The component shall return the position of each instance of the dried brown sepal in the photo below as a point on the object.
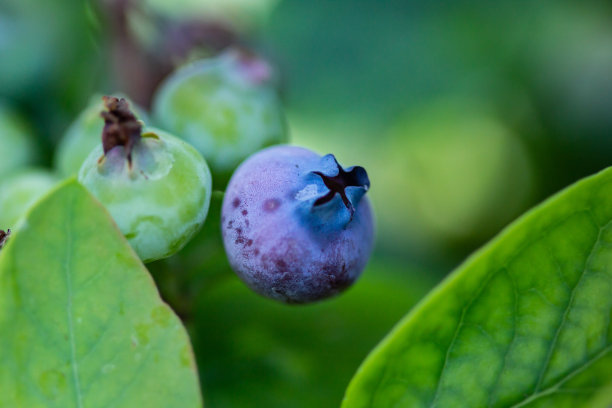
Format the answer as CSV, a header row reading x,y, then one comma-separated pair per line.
x,y
4,237
121,127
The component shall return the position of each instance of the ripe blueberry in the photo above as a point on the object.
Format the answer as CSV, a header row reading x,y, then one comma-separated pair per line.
x,y
226,107
156,187
297,227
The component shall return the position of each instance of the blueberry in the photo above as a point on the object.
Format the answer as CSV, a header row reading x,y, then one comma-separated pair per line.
x,y
83,136
297,227
20,190
156,187
226,107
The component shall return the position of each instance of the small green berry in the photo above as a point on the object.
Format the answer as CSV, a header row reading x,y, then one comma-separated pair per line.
x,y
156,186
83,136
226,107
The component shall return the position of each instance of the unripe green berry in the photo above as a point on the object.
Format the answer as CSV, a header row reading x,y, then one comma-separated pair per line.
x,y
82,136
157,189
226,107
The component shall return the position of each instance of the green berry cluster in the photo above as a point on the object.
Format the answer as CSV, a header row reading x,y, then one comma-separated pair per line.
x,y
156,177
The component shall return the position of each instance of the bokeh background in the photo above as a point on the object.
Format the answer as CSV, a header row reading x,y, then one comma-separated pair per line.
x,y
465,114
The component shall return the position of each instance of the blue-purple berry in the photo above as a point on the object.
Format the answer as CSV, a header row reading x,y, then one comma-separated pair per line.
x,y
297,227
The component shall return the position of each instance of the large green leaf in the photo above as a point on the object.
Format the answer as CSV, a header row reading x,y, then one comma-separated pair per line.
x,y
81,323
524,322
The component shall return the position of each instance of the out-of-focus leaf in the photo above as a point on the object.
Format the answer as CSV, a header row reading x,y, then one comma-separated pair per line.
x,y
466,175
525,322
80,320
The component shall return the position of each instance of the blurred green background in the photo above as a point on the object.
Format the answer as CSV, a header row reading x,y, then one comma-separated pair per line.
x,y
464,113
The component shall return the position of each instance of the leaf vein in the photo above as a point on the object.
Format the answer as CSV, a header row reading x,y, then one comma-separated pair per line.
x,y
467,307
564,316
555,387
512,339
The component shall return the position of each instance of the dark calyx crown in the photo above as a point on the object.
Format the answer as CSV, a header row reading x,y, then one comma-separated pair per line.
x,y
352,177
121,127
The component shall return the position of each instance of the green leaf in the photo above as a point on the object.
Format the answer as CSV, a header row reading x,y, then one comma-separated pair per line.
x,y
81,323
524,322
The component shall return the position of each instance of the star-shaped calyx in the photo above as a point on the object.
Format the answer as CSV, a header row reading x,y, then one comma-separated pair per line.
x,y
352,177
121,128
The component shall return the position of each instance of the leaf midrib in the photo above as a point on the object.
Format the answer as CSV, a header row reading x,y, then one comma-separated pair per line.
x,y
67,274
